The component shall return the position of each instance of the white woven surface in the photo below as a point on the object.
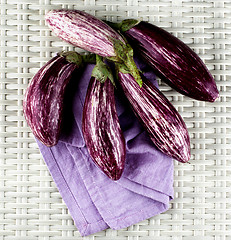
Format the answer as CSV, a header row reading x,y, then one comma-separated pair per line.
x,y
30,205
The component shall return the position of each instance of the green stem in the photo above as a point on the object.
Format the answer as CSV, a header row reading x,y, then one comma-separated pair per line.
x,y
99,59
124,55
72,57
89,58
127,24
123,26
102,71
130,64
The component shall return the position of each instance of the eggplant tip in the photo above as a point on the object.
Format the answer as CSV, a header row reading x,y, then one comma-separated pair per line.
x,y
115,175
210,96
185,156
215,97
49,14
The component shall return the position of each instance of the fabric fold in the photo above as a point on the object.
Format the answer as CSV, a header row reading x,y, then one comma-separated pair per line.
x,y
95,202
72,189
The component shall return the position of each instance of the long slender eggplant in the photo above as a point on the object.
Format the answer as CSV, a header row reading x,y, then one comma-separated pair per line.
x,y
101,130
91,34
83,30
161,120
173,61
43,102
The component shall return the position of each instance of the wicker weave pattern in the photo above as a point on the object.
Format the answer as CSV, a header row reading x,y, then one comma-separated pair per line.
x,y
30,205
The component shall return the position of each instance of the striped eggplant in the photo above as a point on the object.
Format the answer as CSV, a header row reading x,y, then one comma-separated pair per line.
x,y
44,99
173,61
84,31
91,34
161,120
101,130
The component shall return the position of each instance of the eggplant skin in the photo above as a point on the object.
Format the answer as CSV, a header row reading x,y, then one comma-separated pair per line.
x,y
160,119
101,129
44,99
83,30
173,61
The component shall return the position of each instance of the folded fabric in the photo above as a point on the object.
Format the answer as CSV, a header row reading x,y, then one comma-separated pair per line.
x,y
95,202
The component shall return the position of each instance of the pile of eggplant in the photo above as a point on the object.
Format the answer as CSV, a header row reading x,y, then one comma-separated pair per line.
x,y
107,42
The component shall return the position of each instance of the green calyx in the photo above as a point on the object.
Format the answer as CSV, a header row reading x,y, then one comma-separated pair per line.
x,y
124,25
102,71
89,58
72,57
121,68
127,24
124,54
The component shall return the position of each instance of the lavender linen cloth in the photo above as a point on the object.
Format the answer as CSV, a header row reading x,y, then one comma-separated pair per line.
x,y
94,201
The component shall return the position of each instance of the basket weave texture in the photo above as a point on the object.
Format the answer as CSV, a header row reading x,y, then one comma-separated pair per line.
x,y
30,205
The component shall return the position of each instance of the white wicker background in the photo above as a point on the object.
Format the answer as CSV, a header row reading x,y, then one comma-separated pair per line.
x,y
30,205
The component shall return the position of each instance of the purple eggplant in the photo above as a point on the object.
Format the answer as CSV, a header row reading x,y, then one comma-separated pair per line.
x,y
91,34
173,61
101,129
160,119
44,99
83,30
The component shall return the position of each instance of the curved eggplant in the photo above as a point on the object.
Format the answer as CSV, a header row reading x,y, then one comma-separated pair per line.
x,y
161,120
85,31
43,102
173,61
101,130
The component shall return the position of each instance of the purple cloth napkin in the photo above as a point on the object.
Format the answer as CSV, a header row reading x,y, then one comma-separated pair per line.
x,y
95,202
